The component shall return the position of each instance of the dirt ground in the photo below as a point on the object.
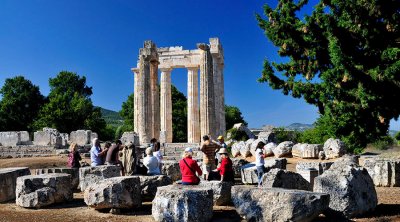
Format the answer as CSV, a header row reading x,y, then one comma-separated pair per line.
x,y
388,208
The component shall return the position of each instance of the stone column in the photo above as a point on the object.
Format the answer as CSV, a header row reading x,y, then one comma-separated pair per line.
x,y
207,107
222,122
135,99
166,107
144,101
217,95
193,118
155,100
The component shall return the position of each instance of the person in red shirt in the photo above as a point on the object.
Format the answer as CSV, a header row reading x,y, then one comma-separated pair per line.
x,y
225,169
189,167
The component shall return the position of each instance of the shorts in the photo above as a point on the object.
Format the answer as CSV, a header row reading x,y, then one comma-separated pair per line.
x,y
207,168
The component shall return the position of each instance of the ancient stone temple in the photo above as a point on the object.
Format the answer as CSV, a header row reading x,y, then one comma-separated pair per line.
x,y
153,107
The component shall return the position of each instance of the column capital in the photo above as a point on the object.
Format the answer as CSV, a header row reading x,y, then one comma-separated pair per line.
x,y
165,69
135,70
194,68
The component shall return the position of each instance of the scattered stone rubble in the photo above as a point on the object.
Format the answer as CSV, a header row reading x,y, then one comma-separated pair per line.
x,y
8,181
183,203
115,193
276,204
285,179
283,149
36,191
334,148
384,172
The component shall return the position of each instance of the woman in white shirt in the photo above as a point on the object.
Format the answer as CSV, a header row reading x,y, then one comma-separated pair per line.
x,y
260,161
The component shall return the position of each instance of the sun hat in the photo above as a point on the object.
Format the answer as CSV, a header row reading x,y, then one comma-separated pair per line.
x,y
223,151
189,149
220,138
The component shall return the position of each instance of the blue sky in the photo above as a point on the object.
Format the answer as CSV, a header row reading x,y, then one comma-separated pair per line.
x,y
100,39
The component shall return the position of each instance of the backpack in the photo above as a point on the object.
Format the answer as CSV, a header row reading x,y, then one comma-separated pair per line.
x,y
71,160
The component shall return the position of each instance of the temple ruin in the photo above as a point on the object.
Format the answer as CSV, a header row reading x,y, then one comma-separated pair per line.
x,y
153,110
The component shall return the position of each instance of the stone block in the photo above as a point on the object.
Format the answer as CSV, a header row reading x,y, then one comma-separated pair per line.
x,y
334,148
384,172
171,169
10,138
283,149
276,204
268,149
285,179
236,147
25,138
8,181
36,191
306,151
150,184
221,191
47,137
80,137
92,175
249,171
309,175
237,164
306,165
183,203
268,136
73,172
116,193
130,137
351,189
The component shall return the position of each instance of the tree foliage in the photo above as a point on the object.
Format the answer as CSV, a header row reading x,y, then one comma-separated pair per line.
x,y
69,106
233,115
20,104
343,58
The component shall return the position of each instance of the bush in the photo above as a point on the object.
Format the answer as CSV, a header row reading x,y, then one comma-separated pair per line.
x,y
397,137
383,143
281,135
235,134
312,136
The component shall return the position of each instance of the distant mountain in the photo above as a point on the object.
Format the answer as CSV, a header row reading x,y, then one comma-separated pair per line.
x,y
111,117
299,126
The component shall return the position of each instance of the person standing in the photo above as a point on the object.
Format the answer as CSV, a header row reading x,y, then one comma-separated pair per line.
x,y
96,154
151,163
74,157
225,169
208,148
220,141
189,167
112,157
260,162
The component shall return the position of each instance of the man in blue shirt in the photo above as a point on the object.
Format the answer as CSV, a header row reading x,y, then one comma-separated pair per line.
x,y
96,154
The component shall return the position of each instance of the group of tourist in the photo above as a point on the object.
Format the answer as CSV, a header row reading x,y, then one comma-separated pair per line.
x,y
216,163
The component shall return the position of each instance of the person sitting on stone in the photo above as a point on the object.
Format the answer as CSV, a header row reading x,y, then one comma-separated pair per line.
x,y
189,167
112,157
74,157
157,154
260,161
151,163
96,154
208,148
225,169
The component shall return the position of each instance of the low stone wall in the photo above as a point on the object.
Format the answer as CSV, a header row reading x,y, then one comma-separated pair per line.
x,y
8,181
26,151
14,138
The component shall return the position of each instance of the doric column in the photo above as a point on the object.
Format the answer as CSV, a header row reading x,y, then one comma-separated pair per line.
x,y
217,95
166,106
135,99
144,101
207,107
155,100
193,118
222,122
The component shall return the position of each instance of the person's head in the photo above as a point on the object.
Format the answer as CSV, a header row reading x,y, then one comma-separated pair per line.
x,y
149,151
153,140
223,152
205,138
73,147
107,145
220,139
188,152
260,145
96,142
157,146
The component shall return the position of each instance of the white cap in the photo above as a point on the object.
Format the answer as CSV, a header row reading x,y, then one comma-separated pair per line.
x,y
189,149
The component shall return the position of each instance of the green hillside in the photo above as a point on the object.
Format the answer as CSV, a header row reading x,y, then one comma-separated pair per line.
x,y
111,117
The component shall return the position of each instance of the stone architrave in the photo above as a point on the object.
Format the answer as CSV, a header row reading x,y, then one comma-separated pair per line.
x,y
193,106
207,106
155,99
8,181
166,105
